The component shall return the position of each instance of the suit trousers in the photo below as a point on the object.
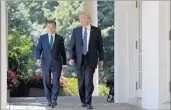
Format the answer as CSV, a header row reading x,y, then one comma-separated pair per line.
x,y
51,88
85,81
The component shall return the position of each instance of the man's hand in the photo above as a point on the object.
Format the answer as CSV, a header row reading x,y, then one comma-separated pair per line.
x,y
38,62
101,64
64,68
71,62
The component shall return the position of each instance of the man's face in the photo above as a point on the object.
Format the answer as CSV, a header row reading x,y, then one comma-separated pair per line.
x,y
51,28
84,20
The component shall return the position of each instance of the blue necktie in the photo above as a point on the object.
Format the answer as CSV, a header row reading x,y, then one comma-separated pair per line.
x,y
85,42
51,42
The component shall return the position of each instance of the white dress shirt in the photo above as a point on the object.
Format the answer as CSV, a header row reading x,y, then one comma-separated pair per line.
x,y
49,35
88,34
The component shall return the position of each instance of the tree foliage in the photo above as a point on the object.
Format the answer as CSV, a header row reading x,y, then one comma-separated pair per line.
x,y
106,23
20,55
27,21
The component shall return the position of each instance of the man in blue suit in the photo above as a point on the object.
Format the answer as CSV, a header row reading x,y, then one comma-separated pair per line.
x,y
50,54
86,50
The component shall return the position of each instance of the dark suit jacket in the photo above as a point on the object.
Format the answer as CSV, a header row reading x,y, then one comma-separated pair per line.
x,y
55,58
95,49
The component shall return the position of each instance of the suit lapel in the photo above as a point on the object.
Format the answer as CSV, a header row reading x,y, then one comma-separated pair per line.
x,y
55,41
47,40
81,36
90,39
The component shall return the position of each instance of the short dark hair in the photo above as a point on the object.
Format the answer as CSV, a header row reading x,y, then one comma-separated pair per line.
x,y
51,21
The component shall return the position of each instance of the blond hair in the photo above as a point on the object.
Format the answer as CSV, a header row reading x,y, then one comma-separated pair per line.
x,y
86,14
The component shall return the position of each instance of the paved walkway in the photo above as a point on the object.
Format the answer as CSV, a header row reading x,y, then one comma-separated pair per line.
x,y
65,103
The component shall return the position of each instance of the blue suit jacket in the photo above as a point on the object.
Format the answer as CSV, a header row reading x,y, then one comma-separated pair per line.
x,y
55,57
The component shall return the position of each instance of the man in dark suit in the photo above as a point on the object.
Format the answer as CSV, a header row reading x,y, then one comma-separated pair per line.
x,y
50,54
86,50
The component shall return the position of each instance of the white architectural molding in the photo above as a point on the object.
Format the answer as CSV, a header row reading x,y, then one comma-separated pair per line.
x,y
3,55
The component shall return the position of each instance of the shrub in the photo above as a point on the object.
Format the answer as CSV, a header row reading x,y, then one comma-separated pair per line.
x,y
103,90
72,88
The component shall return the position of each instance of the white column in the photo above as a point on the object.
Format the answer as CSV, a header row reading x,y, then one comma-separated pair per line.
x,y
164,54
90,7
125,55
155,54
121,57
3,55
150,55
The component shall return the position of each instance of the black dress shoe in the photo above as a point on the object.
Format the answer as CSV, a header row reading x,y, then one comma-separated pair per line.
x,y
83,105
89,106
49,104
53,104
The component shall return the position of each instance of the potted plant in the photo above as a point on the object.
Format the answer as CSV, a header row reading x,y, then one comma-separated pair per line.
x,y
35,83
12,82
16,85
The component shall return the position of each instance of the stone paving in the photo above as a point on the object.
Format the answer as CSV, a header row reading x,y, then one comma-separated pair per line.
x,y
65,103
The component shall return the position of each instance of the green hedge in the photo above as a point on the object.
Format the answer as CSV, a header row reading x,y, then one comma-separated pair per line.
x,y
103,90
72,88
